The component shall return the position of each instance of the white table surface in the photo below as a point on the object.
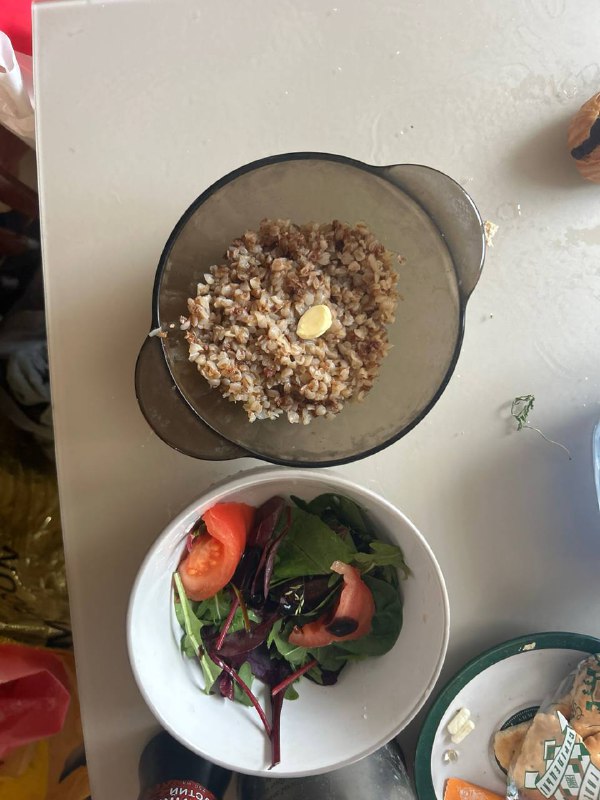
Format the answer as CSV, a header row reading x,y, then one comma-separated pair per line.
x,y
143,104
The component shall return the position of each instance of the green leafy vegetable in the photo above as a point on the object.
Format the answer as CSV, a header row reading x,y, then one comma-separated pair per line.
x,y
216,608
381,555
332,657
192,639
520,409
191,642
302,588
210,671
387,621
294,655
310,548
346,510
291,693
237,623
245,673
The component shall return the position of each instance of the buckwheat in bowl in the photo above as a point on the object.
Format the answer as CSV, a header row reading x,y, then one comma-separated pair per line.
x,y
309,288
245,326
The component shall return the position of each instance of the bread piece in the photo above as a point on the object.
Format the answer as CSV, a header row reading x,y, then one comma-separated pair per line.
x,y
507,743
544,727
593,746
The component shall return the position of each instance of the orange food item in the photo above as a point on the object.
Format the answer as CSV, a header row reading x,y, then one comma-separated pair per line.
x,y
355,606
457,789
214,556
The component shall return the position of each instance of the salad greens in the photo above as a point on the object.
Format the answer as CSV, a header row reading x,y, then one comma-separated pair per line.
x,y
274,621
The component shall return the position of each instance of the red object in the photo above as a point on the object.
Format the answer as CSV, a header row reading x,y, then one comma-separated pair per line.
x,y
355,604
214,556
34,695
15,22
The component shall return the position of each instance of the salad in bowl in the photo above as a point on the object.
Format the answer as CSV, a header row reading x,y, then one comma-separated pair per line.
x,y
287,623
287,590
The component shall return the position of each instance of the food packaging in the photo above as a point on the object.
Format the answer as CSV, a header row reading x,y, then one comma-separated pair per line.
x,y
41,743
34,606
16,92
560,754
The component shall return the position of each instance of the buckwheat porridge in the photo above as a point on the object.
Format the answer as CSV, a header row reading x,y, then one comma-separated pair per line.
x,y
293,321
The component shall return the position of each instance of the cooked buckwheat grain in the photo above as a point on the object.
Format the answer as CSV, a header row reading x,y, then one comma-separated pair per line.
x,y
241,326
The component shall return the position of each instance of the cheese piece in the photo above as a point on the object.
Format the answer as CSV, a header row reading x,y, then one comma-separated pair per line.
x,y
457,789
314,322
463,732
458,720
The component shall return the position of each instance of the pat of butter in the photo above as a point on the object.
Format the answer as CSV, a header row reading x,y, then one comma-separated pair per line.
x,y
314,322
458,720
466,729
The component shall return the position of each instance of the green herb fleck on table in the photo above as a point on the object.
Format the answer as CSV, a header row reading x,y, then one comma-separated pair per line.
x,y
521,409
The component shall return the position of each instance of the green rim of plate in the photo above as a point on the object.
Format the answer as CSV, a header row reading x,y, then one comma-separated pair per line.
x,y
543,641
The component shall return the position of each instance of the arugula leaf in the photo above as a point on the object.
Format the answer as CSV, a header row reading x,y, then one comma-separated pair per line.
x,y
187,643
381,555
237,623
191,641
310,548
246,674
210,671
291,693
294,655
216,608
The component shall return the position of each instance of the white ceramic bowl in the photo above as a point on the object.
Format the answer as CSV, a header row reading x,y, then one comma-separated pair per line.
x,y
327,727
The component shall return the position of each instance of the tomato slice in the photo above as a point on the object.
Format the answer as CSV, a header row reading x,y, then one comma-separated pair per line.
x,y
351,618
214,556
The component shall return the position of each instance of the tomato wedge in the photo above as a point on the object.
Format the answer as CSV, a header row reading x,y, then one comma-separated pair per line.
x,y
351,618
214,556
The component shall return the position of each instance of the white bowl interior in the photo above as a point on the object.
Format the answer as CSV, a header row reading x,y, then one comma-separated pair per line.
x,y
327,727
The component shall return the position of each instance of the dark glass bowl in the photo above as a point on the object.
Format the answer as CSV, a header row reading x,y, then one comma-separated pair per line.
x,y
413,210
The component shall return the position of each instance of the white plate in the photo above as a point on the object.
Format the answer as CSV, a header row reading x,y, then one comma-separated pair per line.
x,y
327,727
501,687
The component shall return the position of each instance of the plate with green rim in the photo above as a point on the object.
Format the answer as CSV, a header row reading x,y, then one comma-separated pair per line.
x,y
501,687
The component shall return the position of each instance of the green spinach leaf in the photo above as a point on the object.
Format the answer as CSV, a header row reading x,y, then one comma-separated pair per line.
x,y
330,657
381,555
347,511
309,548
387,623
